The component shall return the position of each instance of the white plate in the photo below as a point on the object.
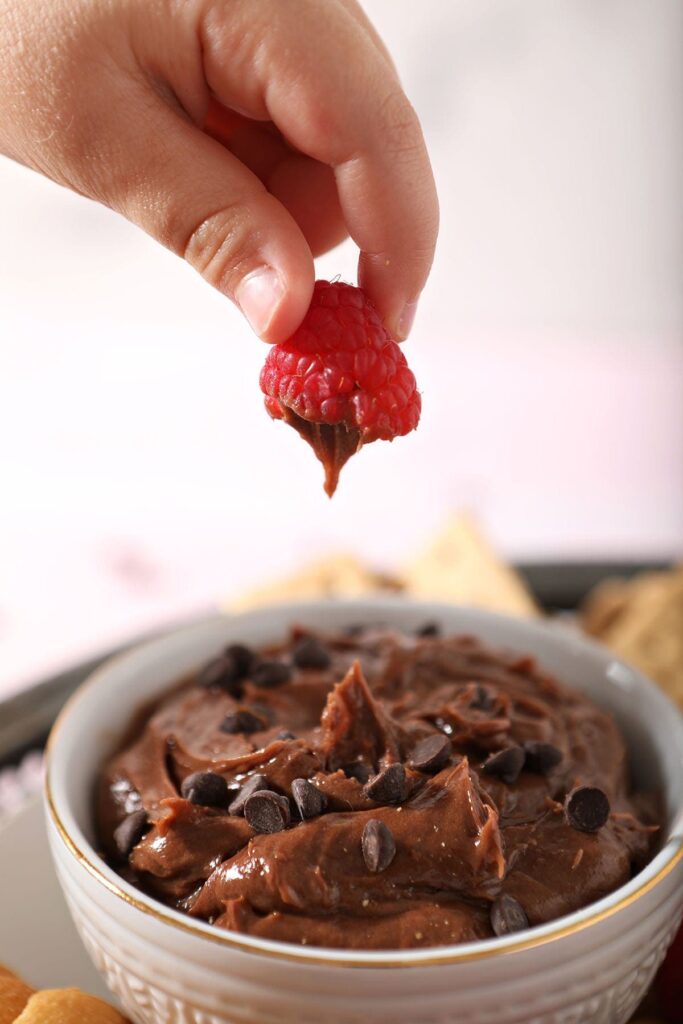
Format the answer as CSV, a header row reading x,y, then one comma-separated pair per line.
x,y
37,938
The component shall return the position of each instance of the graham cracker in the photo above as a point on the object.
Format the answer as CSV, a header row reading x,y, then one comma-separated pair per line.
x,y
339,575
641,620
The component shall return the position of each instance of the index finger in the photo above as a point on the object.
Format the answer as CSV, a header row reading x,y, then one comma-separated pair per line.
x,y
314,70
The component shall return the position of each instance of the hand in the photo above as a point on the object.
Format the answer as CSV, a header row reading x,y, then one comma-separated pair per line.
x,y
248,136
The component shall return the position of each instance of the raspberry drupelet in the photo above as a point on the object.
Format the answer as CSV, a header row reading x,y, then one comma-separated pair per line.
x,y
341,381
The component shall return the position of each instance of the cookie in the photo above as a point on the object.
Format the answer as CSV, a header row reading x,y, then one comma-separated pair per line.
x,y
68,1006
14,994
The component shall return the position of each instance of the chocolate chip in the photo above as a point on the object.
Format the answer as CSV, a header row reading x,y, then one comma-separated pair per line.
x,y
431,753
505,764
377,845
205,788
309,800
483,698
357,770
359,629
523,665
228,670
241,721
262,711
269,674
285,734
541,758
587,808
507,916
267,812
355,629
310,653
243,658
429,629
388,786
131,830
221,674
253,784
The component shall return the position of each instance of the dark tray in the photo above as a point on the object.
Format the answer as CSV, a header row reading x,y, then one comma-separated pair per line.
x,y
562,586
26,719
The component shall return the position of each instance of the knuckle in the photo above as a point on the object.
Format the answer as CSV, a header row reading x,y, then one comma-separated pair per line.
x,y
221,246
401,128
326,126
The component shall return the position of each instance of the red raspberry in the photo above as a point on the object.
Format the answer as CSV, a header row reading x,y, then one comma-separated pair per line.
x,y
341,380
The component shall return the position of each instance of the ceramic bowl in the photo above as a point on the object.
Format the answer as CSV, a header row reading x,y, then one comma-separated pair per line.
x,y
592,966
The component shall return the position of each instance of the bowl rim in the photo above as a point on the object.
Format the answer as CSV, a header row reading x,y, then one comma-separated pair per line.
x,y
662,864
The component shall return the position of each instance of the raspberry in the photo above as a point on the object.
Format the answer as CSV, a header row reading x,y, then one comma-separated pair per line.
x,y
341,381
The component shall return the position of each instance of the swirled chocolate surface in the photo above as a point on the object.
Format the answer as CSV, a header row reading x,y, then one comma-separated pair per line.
x,y
373,790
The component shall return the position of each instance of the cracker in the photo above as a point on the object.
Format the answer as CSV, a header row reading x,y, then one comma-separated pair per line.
x,y
339,575
14,995
68,1006
460,567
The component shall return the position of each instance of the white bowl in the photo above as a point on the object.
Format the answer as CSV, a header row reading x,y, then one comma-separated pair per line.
x,y
592,966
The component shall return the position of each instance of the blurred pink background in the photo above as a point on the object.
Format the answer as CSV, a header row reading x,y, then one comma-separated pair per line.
x,y
141,478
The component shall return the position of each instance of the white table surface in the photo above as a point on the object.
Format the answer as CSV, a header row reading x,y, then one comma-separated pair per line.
x,y
38,939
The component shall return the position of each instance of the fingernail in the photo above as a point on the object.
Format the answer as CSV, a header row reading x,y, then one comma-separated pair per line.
x,y
258,296
405,321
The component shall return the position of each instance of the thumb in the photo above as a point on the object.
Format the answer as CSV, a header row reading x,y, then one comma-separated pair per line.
x,y
197,199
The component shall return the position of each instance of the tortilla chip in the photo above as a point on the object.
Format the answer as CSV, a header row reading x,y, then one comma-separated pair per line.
x,y
461,568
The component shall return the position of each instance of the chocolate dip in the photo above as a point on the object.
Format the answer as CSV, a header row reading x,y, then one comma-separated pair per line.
x,y
373,790
333,444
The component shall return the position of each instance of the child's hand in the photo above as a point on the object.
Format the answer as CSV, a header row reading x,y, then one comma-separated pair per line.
x,y
109,97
